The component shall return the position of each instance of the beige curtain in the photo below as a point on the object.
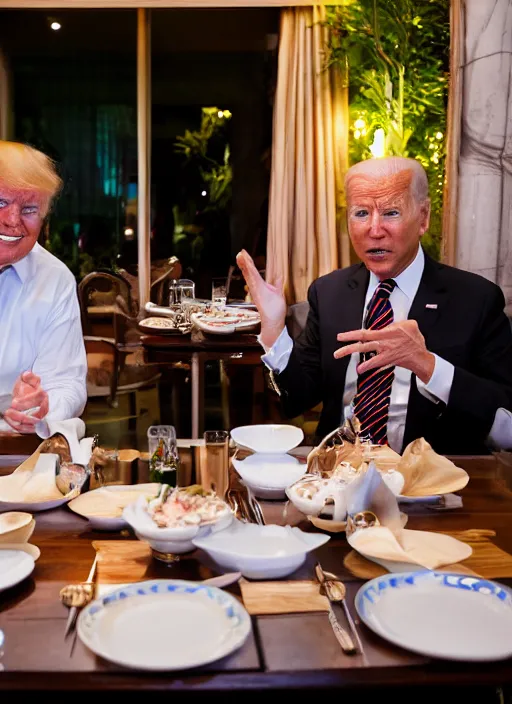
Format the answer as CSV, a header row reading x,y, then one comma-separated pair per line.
x,y
309,158
5,103
453,133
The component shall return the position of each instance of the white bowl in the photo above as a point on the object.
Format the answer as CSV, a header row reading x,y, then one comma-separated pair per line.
x,y
268,439
268,475
260,552
169,540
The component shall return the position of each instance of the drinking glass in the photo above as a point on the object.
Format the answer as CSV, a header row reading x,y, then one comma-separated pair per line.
x,y
187,289
215,472
219,291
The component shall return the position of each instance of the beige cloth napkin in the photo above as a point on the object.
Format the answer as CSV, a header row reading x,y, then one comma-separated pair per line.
x,y
426,473
396,548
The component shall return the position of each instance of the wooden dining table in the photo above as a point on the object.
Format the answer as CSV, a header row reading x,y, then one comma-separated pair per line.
x,y
285,652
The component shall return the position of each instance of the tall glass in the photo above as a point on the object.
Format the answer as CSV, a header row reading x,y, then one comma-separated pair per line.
x,y
187,289
215,472
219,291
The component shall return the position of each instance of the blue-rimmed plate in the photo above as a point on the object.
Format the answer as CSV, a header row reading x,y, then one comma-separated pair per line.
x,y
164,625
443,615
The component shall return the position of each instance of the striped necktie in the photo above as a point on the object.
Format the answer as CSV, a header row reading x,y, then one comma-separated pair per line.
x,y
371,402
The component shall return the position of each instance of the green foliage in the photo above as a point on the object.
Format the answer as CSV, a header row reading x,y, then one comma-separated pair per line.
x,y
398,53
206,168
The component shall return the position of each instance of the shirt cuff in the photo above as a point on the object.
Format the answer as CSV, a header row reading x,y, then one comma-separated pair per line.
x,y
440,384
276,358
500,435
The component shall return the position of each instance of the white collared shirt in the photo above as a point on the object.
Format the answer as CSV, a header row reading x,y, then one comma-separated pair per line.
x,y
41,331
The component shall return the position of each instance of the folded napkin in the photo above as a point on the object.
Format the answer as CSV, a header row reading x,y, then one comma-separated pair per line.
x,y
73,430
427,473
395,548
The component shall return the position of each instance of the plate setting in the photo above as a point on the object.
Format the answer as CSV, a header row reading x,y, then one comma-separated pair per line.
x,y
440,614
164,625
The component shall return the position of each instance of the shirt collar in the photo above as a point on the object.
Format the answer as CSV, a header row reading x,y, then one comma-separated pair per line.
x,y
24,267
408,281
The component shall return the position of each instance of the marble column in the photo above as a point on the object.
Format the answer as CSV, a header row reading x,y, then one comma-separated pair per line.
x,y
485,168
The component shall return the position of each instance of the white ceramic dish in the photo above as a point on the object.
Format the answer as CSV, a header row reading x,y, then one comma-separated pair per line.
x,y
86,502
168,540
268,475
30,549
16,527
159,326
164,625
34,507
442,615
15,566
269,439
260,552
227,321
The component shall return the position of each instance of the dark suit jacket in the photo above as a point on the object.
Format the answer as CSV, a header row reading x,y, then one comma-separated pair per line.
x,y
468,329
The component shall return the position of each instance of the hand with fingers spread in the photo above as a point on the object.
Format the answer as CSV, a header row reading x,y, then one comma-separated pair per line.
x,y
27,394
397,345
269,299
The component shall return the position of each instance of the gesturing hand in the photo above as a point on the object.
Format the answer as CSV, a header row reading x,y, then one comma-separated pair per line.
x,y
269,300
27,394
397,345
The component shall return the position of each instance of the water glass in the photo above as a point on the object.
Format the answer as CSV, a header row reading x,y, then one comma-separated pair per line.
x,y
219,291
187,289
215,469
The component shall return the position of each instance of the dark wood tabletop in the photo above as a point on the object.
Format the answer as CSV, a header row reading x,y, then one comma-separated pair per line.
x,y
165,348
293,652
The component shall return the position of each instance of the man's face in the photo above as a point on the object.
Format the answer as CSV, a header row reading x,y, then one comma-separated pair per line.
x,y
384,222
21,217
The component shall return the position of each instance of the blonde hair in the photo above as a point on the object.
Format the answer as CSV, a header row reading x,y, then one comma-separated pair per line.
x,y
385,166
23,167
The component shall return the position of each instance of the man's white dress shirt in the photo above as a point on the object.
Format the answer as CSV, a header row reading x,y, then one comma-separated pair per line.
x,y
40,331
438,388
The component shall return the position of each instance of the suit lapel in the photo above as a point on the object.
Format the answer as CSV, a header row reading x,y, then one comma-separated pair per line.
x,y
430,297
350,311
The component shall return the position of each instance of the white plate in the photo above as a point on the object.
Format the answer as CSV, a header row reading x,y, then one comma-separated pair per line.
x,y
227,325
34,507
30,549
110,523
269,475
450,616
15,566
164,625
269,438
260,552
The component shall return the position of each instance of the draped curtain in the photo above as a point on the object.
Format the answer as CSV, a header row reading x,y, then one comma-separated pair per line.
x,y
5,102
306,236
484,215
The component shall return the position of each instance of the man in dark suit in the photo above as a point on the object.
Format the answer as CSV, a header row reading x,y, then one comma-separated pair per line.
x,y
427,348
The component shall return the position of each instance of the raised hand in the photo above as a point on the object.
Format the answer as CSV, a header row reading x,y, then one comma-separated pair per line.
x,y
397,345
27,394
269,299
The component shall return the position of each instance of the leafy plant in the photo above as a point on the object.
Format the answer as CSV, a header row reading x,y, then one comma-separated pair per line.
x,y
397,52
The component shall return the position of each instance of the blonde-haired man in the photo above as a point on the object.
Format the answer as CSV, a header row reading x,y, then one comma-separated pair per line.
x,y
43,364
427,349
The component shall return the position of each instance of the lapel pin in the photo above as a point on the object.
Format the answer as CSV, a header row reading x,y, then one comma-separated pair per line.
x,y
431,305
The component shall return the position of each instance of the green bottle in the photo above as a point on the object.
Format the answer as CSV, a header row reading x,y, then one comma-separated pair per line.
x,y
163,465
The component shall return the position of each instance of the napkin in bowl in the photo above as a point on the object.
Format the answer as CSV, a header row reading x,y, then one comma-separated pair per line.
x,y
388,544
73,430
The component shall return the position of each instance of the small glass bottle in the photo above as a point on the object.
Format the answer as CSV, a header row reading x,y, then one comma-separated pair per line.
x,y
164,458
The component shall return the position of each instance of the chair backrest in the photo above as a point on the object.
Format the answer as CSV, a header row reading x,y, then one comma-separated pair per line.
x,y
102,290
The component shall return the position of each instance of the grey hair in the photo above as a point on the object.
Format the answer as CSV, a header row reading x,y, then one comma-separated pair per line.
x,y
386,166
